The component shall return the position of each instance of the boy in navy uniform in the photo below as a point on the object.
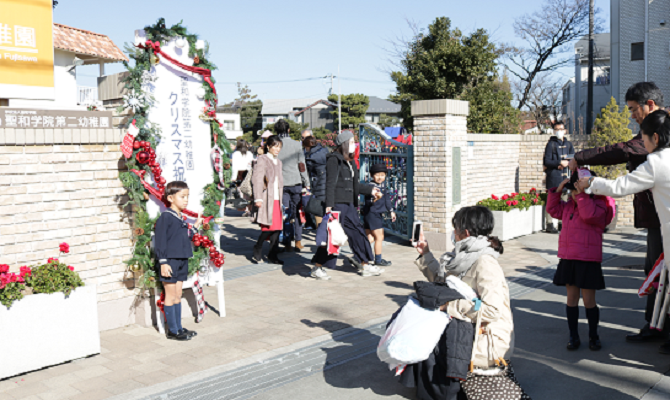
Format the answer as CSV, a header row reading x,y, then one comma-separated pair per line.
x,y
173,249
372,212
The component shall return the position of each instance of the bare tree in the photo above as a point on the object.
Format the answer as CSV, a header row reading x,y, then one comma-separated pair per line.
x,y
547,33
543,99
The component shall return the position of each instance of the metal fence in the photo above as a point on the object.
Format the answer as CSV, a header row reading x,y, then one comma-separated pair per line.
x,y
377,147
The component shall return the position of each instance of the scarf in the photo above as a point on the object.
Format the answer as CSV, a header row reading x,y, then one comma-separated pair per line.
x,y
466,253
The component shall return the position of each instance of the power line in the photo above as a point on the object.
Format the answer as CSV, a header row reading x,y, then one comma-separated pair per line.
x,y
263,82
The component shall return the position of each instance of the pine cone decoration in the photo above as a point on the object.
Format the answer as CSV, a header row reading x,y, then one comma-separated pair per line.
x,y
139,231
146,196
206,227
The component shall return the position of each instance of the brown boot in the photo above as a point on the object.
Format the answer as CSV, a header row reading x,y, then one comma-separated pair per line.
x,y
298,245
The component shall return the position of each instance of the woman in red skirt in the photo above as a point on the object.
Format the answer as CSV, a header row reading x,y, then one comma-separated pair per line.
x,y
268,186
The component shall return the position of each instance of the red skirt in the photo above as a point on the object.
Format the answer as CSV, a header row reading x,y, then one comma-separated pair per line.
x,y
277,220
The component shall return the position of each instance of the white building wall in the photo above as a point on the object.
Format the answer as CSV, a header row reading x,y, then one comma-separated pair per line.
x,y
65,84
225,119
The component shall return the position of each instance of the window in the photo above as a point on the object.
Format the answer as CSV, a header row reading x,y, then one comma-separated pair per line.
x,y
228,125
637,51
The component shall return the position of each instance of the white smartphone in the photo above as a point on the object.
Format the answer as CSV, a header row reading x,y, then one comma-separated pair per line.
x,y
416,232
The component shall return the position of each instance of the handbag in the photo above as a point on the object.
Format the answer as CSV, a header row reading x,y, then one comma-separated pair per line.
x,y
316,207
502,386
246,187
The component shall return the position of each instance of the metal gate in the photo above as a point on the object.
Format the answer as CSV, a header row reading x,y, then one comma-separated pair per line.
x,y
377,147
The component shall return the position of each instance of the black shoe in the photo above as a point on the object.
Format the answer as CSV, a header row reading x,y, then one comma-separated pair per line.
x,y
181,336
551,229
258,254
275,260
594,344
190,334
646,334
665,348
574,343
560,226
383,263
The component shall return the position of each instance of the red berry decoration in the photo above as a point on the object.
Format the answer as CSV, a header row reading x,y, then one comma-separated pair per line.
x,y
161,180
196,243
137,144
158,170
142,157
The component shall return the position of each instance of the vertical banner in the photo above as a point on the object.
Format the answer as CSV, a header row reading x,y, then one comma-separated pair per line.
x,y
185,143
26,49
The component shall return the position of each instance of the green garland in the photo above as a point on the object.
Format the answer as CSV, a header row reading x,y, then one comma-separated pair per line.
x,y
143,258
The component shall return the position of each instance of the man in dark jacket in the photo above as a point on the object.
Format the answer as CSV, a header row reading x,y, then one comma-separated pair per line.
x,y
556,164
642,99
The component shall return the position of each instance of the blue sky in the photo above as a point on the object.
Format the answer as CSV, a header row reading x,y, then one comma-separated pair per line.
x,y
261,41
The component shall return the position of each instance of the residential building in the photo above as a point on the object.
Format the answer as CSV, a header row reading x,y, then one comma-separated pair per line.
x,y
575,90
640,40
73,47
275,109
380,106
231,122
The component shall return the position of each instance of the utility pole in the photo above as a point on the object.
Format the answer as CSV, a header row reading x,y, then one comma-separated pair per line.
x,y
339,101
589,99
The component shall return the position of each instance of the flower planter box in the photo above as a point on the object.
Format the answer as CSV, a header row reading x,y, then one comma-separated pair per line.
x,y
516,223
48,329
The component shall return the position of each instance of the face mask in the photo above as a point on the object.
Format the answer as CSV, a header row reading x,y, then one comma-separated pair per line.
x,y
560,134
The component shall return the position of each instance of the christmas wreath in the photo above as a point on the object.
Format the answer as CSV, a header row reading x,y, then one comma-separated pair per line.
x,y
140,143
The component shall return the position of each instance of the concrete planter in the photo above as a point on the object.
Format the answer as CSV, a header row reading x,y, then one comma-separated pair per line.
x,y
47,329
516,223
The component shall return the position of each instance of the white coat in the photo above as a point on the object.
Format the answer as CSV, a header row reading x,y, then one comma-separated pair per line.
x,y
654,174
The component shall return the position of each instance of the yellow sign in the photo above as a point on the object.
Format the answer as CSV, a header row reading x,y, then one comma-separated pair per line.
x,y
26,49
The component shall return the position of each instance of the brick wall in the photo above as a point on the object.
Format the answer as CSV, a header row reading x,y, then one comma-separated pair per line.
x,y
62,186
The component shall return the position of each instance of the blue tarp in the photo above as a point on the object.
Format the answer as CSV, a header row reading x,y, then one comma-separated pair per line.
x,y
393,132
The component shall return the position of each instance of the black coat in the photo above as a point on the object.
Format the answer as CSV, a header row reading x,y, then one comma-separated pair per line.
x,y
633,154
341,187
554,153
315,159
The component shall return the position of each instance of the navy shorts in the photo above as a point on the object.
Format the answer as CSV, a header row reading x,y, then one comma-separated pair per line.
x,y
179,270
373,221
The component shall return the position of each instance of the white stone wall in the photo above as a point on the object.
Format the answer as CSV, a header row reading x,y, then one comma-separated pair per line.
x,y
63,186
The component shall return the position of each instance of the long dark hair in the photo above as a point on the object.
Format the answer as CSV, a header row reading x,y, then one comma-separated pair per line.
x,y
478,221
242,146
657,122
271,141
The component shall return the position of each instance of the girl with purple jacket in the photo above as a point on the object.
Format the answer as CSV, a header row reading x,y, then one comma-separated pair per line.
x,y
580,250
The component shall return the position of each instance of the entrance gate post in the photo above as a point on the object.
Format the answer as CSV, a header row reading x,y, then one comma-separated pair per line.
x,y
440,166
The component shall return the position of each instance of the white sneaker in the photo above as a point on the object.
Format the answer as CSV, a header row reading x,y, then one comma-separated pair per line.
x,y
320,274
370,270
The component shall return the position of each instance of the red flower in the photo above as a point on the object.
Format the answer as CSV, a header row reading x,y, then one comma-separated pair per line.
x,y
523,198
532,190
51,259
513,194
494,197
505,197
5,279
26,271
509,203
515,202
534,201
218,203
70,267
13,277
4,268
64,247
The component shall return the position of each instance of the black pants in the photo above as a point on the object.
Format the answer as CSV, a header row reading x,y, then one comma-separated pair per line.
x,y
292,198
654,250
274,242
358,241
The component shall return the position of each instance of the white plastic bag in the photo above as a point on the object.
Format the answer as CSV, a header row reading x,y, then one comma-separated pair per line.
x,y
337,235
413,335
461,287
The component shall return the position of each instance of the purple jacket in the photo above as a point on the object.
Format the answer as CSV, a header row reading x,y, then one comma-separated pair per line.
x,y
583,225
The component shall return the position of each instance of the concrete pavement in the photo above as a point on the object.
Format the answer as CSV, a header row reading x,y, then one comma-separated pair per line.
x,y
275,313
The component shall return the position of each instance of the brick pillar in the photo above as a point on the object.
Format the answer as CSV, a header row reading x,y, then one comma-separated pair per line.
x,y
440,165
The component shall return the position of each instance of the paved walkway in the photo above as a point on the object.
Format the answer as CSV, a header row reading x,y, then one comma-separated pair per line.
x,y
272,313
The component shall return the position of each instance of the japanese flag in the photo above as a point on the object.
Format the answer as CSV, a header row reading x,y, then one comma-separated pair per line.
x,y
129,139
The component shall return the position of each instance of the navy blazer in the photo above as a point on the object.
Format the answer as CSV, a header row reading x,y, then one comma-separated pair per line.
x,y
382,205
173,238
